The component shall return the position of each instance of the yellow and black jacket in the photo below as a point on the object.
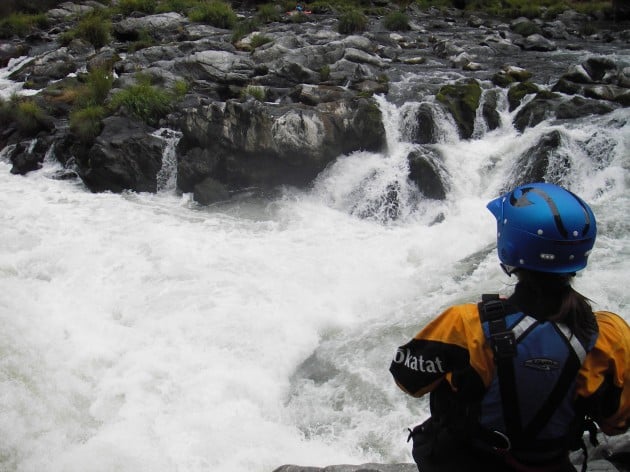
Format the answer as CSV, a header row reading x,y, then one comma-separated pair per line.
x,y
453,350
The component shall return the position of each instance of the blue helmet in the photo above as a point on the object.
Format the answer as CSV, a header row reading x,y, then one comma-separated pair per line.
x,y
543,227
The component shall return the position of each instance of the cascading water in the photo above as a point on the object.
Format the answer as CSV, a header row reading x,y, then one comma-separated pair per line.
x,y
142,332
167,176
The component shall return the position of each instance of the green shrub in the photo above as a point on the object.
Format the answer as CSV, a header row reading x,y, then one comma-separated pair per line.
x,y
27,6
6,112
29,116
95,28
298,18
144,101
425,4
127,7
324,73
352,21
99,83
243,28
178,6
215,13
180,88
21,24
396,21
260,39
87,123
144,40
267,13
255,92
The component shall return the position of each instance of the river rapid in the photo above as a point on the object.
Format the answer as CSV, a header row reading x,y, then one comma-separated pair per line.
x,y
142,332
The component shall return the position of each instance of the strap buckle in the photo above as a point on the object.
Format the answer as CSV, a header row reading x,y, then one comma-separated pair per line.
x,y
503,344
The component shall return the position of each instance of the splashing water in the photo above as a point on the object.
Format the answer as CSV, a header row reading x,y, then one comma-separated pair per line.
x,y
142,332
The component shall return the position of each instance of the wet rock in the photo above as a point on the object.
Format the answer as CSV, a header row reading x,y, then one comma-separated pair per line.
x,y
210,191
489,110
519,91
25,157
599,78
462,100
426,171
525,27
421,127
125,156
260,144
163,25
9,50
541,163
537,42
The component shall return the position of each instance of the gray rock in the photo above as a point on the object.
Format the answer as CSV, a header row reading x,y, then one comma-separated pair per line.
x,y
124,157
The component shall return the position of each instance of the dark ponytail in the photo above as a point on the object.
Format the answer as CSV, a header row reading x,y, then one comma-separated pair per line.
x,y
551,297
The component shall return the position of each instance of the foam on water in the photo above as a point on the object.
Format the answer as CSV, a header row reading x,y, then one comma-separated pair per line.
x,y
142,332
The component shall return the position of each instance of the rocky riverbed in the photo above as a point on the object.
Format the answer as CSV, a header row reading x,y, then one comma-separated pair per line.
x,y
260,116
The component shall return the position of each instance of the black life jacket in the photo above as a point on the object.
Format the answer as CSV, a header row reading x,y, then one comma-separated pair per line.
x,y
529,407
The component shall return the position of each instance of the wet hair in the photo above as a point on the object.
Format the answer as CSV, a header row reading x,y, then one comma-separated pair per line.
x,y
548,296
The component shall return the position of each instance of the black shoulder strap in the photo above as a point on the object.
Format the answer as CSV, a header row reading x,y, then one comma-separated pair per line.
x,y
493,310
503,342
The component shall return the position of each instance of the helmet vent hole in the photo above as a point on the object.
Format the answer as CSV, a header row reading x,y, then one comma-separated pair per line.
x,y
547,257
575,234
540,232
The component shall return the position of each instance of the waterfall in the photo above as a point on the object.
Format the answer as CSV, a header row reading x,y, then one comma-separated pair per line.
x,y
167,175
8,88
143,332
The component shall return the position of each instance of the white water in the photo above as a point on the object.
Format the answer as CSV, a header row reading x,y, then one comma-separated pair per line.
x,y
144,333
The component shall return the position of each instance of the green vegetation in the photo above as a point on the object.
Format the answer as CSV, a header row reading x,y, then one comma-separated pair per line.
x,y
352,21
26,6
144,101
243,28
127,7
95,28
547,9
324,73
87,123
396,21
260,39
97,86
144,40
268,13
21,24
215,13
29,116
180,88
254,91
6,112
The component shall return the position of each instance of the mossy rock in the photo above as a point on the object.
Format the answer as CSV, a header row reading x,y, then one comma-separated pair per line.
x,y
518,91
462,100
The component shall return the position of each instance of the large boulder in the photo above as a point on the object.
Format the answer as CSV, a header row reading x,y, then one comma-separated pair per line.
x,y
162,25
251,143
426,170
125,156
462,100
599,78
541,163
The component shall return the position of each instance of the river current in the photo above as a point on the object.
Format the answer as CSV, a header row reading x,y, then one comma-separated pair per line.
x,y
142,332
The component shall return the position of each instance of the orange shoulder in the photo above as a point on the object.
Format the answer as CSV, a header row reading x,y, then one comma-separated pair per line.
x,y
460,325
